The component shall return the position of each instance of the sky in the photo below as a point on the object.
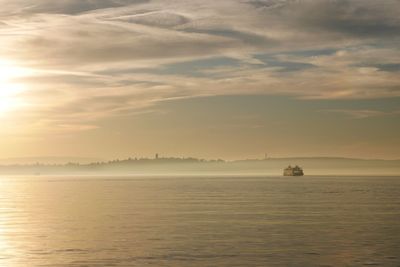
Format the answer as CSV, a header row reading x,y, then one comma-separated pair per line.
x,y
212,79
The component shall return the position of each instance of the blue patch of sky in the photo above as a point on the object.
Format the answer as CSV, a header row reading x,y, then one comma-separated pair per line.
x,y
197,68
194,68
245,37
312,53
389,67
271,61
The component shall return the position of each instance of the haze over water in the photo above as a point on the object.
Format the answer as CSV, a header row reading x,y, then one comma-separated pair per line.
x,y
199,221
99,97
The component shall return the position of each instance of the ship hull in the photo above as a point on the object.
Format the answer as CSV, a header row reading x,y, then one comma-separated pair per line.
x,y
293,172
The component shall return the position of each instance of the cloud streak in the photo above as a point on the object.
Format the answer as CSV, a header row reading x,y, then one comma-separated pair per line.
x,y
101,58
364,113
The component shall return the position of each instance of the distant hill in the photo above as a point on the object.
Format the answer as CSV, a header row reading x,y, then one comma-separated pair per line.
x,y
330,165
47,160
193,166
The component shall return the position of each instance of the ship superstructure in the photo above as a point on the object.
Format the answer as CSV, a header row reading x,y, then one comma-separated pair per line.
x,y
293,171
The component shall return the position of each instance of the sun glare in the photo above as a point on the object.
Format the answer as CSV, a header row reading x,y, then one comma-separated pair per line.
x,y
10,90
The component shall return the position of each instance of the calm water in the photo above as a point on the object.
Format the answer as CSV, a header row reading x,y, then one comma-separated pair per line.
x,y
275,221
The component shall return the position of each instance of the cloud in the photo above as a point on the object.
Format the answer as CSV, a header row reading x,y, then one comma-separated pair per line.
x,y
154,18
71,7
354,18
96,58
364,113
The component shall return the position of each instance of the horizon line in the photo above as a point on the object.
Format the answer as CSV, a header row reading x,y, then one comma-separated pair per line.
x,y
206,160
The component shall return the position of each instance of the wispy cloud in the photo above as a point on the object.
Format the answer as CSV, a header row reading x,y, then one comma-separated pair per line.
x,y
364,113
105,57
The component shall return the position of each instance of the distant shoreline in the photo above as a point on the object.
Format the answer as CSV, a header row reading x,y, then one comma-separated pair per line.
x,y
194,166
64,161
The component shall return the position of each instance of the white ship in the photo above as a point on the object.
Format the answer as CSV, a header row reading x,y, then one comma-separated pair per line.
x,y
293,171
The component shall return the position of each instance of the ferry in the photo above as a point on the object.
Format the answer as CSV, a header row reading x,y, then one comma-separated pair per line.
x,y
293,171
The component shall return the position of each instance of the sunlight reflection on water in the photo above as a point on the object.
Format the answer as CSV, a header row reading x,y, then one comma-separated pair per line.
x,y
274,221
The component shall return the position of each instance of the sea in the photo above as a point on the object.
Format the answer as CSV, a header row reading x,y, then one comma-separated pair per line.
x,y
199,221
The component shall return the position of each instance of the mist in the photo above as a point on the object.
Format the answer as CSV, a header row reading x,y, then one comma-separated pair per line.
x,y
200,167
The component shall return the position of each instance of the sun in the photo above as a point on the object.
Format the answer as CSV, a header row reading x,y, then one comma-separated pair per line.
x,y
9,96
10,89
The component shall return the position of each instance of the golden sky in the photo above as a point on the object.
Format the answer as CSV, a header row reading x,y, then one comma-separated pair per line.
x,y
227,78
